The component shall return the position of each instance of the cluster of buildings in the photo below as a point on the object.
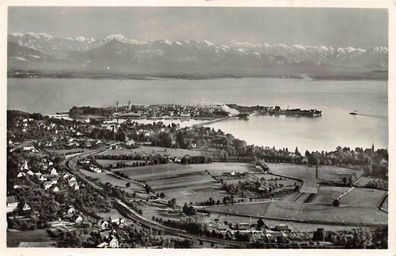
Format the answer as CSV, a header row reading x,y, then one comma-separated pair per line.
x,y
87,164
169,111
48,177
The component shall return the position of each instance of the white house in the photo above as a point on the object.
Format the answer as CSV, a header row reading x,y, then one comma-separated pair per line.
x,y
102,245
71,210
29,148
95,169
104,224
12,203
79,219
72,182
43,178
24,165
114,243
118,220
54,172
26,207
47,184
130,143
21,174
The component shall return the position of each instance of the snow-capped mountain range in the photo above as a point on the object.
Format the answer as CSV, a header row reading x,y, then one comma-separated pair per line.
x,y
119,53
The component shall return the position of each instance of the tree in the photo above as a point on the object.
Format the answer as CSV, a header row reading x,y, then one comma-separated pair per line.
x,y
260,224
147,187
172,203
319,235
350,181
185,208
336,202
344,180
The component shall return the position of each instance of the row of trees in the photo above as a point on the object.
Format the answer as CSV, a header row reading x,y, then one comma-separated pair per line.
x,y
196,159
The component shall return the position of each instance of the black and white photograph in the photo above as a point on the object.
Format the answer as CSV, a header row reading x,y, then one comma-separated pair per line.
x,y
200,127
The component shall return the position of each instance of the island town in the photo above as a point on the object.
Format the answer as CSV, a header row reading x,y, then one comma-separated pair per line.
x,y
97,177
211,113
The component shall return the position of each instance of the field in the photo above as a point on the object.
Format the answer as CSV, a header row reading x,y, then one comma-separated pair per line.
x,y
306,210
154,171
186,183
364,181
336,174
113,163
35,236
120,151
264,178
113,213
327,174
366,197
327,194
172,152
313,213
115,181
65,151
313,204
385,204
218,168
294,226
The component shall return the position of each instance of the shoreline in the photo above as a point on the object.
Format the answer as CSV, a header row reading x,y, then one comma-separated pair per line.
x,y
213,121
369,76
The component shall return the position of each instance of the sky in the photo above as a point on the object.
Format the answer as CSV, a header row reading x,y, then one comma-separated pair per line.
x,y
337,27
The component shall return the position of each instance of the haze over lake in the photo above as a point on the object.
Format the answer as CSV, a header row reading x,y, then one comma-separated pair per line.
x,y
335,98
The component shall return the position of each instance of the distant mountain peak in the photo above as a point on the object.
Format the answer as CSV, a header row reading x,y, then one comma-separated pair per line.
x,y
85,39
192,55
123,39
118,37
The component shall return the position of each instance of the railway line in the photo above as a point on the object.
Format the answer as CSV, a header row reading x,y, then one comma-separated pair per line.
x,y
71,165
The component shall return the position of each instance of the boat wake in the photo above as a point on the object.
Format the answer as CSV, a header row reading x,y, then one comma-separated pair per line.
x,y
368,115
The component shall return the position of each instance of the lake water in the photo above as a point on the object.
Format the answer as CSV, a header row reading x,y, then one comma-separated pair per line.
x,y
335,98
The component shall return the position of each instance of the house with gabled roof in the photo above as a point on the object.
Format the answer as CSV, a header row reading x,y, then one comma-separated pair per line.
x,y
12,203
26,207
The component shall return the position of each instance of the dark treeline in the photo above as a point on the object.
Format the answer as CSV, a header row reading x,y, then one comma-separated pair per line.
x,y
196,159
76,111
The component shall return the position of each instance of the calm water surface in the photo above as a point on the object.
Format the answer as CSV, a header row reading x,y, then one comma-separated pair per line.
x,y
335,98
